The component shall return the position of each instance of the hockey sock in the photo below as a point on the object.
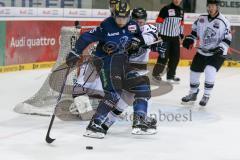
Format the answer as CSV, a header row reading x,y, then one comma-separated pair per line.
x,y
210,76
114,114
140,106
104,107
194,81
111,119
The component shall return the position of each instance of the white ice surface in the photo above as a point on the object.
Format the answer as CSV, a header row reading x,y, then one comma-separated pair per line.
x,y
213,133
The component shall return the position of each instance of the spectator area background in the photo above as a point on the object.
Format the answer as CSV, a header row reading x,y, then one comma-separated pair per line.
x,y
41,44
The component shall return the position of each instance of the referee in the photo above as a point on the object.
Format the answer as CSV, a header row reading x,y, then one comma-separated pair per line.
x,y
170,28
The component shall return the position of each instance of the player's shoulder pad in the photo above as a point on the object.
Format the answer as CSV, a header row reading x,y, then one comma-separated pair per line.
x,y
201,18
149,28
108,21
222,18
167,6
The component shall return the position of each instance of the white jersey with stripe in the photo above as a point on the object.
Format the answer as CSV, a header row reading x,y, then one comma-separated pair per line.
x,y
212,33
89,79
149,33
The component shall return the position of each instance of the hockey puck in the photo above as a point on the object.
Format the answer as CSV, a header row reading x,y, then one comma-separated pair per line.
x,y
89,147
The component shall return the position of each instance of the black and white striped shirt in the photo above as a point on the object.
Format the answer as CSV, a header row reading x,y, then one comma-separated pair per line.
x,y
170,21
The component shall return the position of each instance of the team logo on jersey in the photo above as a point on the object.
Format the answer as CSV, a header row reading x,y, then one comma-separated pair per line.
x,y
110,47
132,28
216,25
113,34
148,28
171,12
209,36
123,43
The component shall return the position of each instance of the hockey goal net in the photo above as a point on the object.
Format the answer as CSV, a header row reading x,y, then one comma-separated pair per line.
x,y
44,101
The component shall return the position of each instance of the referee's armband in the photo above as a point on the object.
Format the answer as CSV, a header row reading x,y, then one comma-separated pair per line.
x,y
159,20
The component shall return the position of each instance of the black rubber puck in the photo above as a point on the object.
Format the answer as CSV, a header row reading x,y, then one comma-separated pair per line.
x,y
89,147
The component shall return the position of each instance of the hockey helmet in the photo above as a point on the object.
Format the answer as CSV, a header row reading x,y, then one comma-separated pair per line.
x,y
122,9
217,2
139,13
112,2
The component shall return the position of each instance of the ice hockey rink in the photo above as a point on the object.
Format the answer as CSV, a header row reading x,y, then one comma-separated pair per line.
x,y
212,134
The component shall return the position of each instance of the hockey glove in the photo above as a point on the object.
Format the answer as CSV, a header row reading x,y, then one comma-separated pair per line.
x,y
72,58
135,44
188,42
217,51
160,48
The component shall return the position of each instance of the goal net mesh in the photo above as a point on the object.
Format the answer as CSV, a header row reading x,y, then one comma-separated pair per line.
x,y
45,99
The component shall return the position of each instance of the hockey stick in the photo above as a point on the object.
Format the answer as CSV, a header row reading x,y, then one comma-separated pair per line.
x,y
148,45
230,58
143,46
204,50
48,138
60,69
226,57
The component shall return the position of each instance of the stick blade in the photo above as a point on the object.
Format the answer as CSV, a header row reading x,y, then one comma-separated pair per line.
x,y
49,140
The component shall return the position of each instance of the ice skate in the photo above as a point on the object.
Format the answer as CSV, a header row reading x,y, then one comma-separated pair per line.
x,y
143,125
190,98
204,100
173,80
95,131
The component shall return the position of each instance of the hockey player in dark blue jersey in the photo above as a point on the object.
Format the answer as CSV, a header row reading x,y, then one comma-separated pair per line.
x,y
137,82
116,35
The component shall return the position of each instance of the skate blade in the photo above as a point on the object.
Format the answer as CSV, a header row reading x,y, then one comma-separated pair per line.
x,y
138,131
173,82
202,108
202,105
156,81
91,134
190,103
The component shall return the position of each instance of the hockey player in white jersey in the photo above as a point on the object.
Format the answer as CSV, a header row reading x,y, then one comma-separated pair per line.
x,y
149,33
214,33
